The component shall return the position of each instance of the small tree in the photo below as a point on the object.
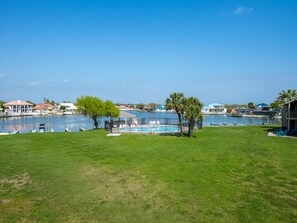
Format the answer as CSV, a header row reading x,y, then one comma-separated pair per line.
x,y
193,113
276,105
176,102
92,107
152,106
251,105
140,106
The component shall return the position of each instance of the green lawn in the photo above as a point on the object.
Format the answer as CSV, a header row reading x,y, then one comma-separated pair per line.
x,y
224,174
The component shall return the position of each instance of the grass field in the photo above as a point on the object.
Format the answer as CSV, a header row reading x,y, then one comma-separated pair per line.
x,y
224,174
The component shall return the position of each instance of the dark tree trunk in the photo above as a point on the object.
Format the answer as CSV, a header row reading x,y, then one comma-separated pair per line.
x,y
191,128
95,122
180,124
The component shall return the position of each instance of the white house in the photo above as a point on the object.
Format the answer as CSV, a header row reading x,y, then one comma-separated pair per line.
x,y
70,108
18,108
214,109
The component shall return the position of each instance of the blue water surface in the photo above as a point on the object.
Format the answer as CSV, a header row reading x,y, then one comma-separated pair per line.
x,y
74,122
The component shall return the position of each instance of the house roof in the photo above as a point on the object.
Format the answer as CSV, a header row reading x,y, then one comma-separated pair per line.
x,y
216,104
262,105
161,106
124,115
17,102
69,105
42,106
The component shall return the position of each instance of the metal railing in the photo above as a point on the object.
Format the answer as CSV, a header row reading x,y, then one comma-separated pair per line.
x,y
291,115
147,125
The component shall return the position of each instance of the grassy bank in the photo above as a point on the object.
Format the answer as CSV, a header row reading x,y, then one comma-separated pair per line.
x,y
229,174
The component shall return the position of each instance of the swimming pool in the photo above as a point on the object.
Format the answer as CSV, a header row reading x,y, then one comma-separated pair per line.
x,y
151,129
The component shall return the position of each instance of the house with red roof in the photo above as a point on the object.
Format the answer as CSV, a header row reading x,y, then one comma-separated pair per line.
x,y
43,108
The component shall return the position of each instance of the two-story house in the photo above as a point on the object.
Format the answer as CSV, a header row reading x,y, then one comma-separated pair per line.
x,y
289,115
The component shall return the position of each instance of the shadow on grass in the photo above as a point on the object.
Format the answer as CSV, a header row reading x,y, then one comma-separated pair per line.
x,y
270,128
176,134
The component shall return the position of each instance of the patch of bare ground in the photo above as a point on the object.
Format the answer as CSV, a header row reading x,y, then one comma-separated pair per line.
x,y
124,186
17,182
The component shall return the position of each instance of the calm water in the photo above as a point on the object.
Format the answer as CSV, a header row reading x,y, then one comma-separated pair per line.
x,y
73,122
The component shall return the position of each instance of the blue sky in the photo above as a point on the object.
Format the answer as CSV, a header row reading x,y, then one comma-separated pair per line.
x,y
141,51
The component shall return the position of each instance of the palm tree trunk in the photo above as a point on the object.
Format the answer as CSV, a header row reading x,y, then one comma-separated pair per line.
x,y
180,124
191,128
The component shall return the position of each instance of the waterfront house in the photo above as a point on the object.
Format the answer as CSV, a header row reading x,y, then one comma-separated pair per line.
x,y
43,108
70,108
18,107
215,109
289,115
262,109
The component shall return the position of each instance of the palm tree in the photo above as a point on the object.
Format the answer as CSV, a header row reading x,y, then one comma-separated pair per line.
x,y
193,112
176,102
286,96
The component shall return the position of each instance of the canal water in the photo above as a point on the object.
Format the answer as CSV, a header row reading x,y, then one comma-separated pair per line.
x,y
74,122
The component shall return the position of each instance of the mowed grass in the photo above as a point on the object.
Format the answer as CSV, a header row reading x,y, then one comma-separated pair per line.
x,y
224,174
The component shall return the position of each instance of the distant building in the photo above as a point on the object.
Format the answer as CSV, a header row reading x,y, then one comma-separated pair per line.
x,y
123,107
43,108
214,108
160,108
262,109
70,108
18,107
289,115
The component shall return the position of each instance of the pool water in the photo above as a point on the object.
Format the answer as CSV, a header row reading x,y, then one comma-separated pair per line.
x,y
151,129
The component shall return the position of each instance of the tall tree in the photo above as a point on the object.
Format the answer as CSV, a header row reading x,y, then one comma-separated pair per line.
x,y
92,107
176,102
286,96
111,110
193,107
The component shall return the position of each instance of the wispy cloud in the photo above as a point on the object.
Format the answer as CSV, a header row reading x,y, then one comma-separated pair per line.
x,y
66,81
124,86
33,83
243,10
2,75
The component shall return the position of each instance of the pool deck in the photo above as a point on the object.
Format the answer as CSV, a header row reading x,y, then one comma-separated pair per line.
x,y
147,129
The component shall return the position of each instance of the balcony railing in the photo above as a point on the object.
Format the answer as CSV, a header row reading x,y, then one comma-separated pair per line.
x,y
292,115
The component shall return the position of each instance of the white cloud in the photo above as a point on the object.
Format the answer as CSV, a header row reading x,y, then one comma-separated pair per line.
x,y
33,83
66,81
2,75
243,10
